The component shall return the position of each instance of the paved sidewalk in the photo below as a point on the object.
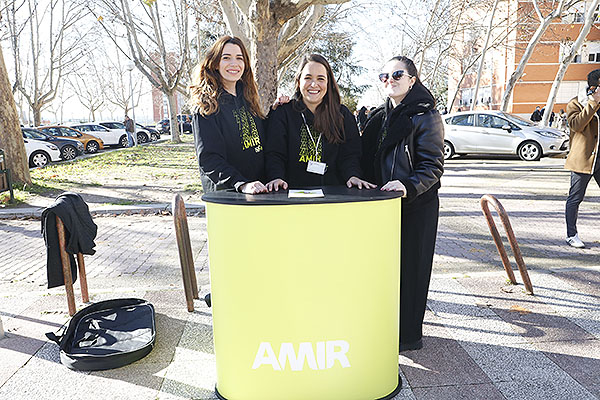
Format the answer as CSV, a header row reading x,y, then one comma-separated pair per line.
x,y
484,339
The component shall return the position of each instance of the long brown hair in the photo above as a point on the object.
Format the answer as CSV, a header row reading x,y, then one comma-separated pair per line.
x,y
328,116
206,84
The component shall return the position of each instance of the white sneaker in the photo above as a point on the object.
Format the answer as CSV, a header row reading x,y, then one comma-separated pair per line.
x,y
574,241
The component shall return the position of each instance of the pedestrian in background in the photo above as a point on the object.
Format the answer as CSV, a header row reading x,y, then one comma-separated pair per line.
x,y
403,151
563,125
313,140
228,120
536,116
130,130
582,161
362,118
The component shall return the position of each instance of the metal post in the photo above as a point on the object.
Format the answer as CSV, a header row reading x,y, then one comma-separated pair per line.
x,y
1,329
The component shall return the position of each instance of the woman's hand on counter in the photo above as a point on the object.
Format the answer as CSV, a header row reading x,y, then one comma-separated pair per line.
x,y
275,184
394,186
255,187
359,183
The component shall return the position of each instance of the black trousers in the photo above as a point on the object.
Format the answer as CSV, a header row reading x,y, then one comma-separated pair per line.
x,y
579,183
419,231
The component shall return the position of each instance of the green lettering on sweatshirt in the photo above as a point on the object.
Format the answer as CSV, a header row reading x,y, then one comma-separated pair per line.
x,y
307,146
248,131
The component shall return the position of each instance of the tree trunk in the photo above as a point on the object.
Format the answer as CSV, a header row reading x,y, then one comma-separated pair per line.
x,y
487,41
589,20
37,114
175,135
263,47
11,139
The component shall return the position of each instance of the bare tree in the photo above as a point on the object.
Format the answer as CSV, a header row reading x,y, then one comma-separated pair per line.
x,y
158,45
274,30
590,18
483,51
51,48
11,140
544,23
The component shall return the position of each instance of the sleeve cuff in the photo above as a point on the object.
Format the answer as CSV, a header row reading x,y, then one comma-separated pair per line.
x,y
238,185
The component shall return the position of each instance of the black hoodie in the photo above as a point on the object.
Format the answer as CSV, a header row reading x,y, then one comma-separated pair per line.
x,y
405,143
229,143
289,147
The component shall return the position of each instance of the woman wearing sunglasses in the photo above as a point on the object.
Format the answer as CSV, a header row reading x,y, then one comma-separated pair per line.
x,y
313,140
228,121
403,151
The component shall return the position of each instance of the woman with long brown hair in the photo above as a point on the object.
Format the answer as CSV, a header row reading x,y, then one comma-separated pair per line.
x,y
228,120
313,140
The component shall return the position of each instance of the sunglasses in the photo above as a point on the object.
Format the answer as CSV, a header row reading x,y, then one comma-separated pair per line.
x,y
396,75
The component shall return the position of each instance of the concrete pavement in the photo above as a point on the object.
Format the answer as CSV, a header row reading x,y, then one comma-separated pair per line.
x,y
484,339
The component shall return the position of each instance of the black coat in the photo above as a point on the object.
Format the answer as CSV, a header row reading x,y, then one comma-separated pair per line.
x,y
80,232
288,144
405,143
229,143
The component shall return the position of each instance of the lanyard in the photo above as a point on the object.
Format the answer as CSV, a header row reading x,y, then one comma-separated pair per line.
x,y
316,144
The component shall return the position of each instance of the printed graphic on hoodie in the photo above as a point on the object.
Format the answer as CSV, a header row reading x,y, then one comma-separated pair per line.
x,y
248,131
307,146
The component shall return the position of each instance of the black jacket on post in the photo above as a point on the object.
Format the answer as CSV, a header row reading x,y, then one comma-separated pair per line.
x,y
80,232
405,143
229,143
289,148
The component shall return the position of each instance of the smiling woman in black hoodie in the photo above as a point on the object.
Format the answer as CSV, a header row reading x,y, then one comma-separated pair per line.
x,y
228,121
313,140
403,151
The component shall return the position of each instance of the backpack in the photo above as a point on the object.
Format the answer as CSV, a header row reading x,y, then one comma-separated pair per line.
x,y
108,334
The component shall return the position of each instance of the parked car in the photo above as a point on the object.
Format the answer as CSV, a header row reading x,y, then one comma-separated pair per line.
x,y
108,136
40,153
143,135
69,148
91,143
498,132
154,134
183,120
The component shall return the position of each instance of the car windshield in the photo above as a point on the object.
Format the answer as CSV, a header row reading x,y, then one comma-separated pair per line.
x,y
517,120
33,134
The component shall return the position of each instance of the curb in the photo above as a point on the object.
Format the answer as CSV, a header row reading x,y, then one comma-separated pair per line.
x,y
112,210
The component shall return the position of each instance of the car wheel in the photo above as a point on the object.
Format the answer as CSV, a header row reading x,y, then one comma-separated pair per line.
x,y
154,137
530,151
92,146
68,153
448,150
39,159
123,141
142,138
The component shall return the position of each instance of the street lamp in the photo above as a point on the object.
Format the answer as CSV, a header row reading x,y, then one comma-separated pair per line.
x,y
130,67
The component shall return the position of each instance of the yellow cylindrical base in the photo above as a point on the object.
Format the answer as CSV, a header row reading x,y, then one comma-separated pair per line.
x,y
305,299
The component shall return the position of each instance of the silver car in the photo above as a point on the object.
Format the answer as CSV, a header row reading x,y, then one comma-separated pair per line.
x,y
497,132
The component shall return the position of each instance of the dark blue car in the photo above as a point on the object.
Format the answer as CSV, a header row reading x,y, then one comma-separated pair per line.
x,y
69,148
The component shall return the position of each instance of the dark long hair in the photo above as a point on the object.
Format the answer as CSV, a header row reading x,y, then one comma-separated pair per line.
x,y
328,116
410,66
206,80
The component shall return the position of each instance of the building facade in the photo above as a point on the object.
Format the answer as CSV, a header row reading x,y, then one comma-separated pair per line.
x,y
514,24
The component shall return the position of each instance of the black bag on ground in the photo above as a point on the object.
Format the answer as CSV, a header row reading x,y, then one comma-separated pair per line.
x,y
107,334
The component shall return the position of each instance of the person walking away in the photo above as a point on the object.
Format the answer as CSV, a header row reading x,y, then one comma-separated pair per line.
x,y
403,151
313,140
130,130
536,116
583,113
228,120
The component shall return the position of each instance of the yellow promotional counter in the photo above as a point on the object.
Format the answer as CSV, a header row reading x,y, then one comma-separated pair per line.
x,y
305,294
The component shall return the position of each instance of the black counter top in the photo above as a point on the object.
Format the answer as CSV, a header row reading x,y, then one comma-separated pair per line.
x,y
333,194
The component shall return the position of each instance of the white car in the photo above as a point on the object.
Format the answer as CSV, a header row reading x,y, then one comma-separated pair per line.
x,y
110,137
40,153
143,136
498,132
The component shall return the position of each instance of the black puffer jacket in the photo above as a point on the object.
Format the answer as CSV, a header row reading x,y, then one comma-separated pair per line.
x,y
405,143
